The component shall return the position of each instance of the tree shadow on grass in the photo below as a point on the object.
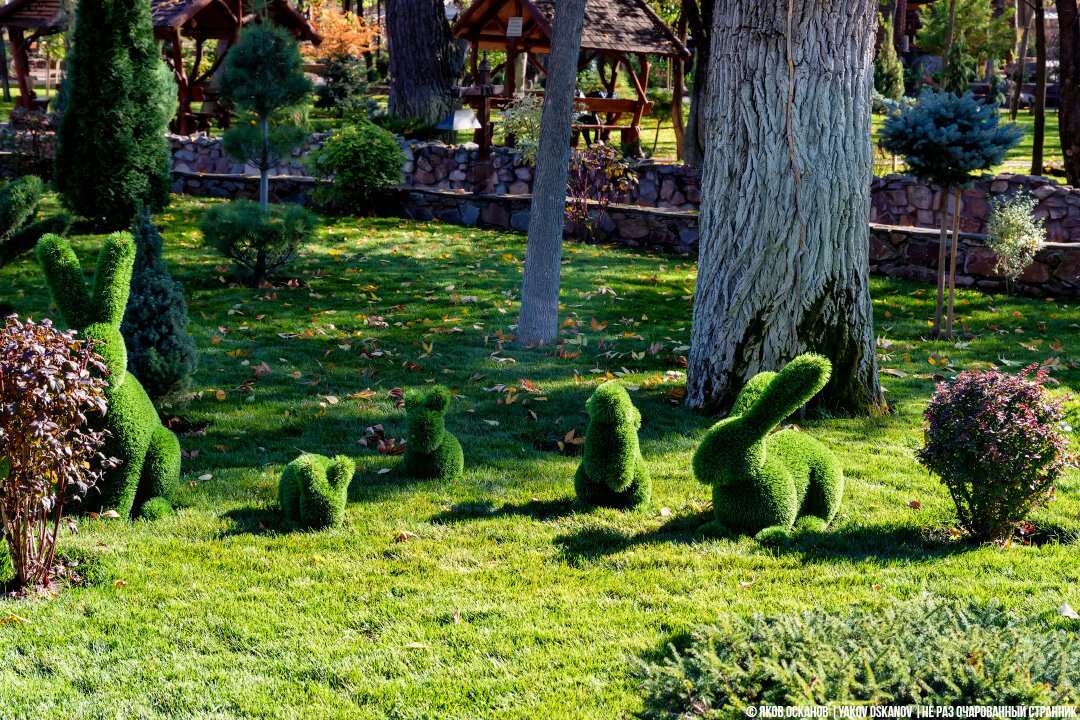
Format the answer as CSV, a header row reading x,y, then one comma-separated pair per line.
x,y
539,510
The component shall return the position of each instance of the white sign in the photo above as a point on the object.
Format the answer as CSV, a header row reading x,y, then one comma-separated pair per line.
x,y
513,26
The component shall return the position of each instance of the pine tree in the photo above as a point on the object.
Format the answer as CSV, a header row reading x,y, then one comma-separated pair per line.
x,y
112,156
160,352
888,70
264,78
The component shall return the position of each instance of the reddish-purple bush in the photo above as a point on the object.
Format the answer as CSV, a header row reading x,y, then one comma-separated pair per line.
x,y
49,383
597,176
996,442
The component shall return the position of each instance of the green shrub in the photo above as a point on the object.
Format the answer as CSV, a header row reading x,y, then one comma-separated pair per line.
x,y
312,491
112,156
1016,234
430,450
155,509
346,88
920,652
521,118
259,244
19,232
361,161
161,354
996,442
888,70
612,471
149,453
50,385
763,482
410,128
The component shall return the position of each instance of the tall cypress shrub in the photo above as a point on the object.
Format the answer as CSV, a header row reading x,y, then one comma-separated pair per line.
x,y
112,156
160,352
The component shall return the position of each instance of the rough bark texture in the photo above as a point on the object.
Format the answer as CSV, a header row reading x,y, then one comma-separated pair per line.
x,y
1019,72
538,321
701,23
425,60
749,297
1069,74
1039,129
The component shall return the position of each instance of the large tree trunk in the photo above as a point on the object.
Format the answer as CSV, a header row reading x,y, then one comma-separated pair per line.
x,y
1039,130
677,91
766,191
1069,103
701,24
425,60
538,321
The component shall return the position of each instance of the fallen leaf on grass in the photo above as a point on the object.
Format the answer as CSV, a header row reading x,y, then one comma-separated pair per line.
x,y
895,372
206,477
747,583
119,583
915,505
1067,611
406,536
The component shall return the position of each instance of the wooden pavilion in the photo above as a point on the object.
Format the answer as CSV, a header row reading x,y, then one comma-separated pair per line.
x,y
201,21
613,32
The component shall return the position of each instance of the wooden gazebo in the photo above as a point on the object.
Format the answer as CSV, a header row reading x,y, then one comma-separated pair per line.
x,y
613,32
202,21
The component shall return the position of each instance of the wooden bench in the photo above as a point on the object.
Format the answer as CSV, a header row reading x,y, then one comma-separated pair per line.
x,y
627,132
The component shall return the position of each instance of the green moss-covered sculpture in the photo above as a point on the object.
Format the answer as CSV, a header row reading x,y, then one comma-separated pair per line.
x,y
612,473
431,452
764,485
149,453
313,490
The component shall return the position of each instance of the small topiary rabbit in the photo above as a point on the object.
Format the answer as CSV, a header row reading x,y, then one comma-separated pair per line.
x,y
149,453
430,450
312,490
764,485
612,473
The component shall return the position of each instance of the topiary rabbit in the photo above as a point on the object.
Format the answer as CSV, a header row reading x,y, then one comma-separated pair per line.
x,y
430,450
313,490
764,485
612,473
149,452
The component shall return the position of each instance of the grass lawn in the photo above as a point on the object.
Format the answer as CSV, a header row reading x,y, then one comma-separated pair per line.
x,y
505,601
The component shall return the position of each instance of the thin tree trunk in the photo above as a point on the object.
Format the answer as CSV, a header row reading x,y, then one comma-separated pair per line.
x,y
425,59
952,260
538,321
1069,76
4,78
701,26
943,239
949,37
677,90
264,167
1040,90
1020,70
760,299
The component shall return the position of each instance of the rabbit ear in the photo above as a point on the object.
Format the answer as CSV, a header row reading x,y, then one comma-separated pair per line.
x,y
751,392
112,281
801,380
65,278
438,398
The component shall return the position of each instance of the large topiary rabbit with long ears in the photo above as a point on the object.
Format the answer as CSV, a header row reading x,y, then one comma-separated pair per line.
x,y
149,452
764,485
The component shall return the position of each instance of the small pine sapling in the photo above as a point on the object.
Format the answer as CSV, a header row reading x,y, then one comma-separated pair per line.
x,y
888,70
763,483
945,140
313,490
161,354
612,472
431,452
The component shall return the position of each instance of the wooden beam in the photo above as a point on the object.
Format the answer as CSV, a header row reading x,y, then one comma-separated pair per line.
x,y
21,65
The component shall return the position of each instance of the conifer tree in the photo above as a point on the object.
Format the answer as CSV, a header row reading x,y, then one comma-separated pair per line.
x,y
112,156
160,352
888,70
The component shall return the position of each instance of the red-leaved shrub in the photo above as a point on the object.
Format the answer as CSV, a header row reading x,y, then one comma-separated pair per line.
x,y
49,383
996,442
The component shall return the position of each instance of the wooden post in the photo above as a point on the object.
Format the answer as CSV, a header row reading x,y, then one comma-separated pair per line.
x,y
22,68
483,135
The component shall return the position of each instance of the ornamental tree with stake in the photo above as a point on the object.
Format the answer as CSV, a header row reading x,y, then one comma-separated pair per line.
x,y
264,78
945,140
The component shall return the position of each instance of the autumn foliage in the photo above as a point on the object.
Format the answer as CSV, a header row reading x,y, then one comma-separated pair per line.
x,y
343,34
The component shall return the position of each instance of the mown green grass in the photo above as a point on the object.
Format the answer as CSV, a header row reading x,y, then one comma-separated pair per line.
x,y
510,602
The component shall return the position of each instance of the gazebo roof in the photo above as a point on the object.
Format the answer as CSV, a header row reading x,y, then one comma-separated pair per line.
x,y
47,16
611,27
